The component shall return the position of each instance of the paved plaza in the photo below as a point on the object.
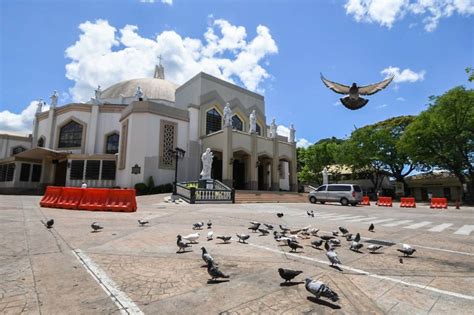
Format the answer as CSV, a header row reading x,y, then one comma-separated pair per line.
x,y
130,269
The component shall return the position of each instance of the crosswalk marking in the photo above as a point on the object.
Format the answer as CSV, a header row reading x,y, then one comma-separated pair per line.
x,y
440,228
354,217
362,219
397,223
341,217
465,230
380,221
327,215
417,225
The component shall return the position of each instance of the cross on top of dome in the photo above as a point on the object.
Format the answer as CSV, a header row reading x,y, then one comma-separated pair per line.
x,y
159,70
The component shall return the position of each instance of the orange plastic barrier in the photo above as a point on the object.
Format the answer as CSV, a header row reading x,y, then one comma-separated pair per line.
x,y
94,199
384,202
365,201
439,203
70,198
407,202
51,196
121,200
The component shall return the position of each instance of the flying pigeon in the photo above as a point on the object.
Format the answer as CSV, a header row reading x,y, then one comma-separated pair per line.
x,y
269,226
319,289
142,222
48,224
354,101
198,225
96,227
310,213
206,256
373,248
317,243
355,246
280,214
209,224
214,271
181,245
293,245
263,232
243,237
407,250
371,227
226,239
332,257
192,238
210,235
343,230
288,274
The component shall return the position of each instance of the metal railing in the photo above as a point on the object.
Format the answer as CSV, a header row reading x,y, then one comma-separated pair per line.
x,y
192,193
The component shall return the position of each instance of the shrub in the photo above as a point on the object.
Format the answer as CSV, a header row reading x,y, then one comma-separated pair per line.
x,y
141,189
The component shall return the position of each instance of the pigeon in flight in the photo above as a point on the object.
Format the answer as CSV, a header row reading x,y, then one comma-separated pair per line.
x,y
192,238
225,239
243,237
48,224
181,244
96,227
354,101
198,225
293,245
210,235
371,227
407,250
206,256
373,248
319,289
214,271
142,222
288,274
280,214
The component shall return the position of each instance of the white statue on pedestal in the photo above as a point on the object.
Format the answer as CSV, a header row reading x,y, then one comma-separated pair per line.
x,y
291,137
253,122
139,94
39,106
206,159
273,129
54,99
98,95
227,116
325,176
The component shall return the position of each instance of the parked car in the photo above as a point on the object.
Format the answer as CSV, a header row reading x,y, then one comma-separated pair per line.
x,y
343,193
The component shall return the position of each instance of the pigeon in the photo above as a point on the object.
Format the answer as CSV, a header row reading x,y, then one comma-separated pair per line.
x,y
263,232
295,231
401,260
226,239
314,232
349,237
317,243
292,238
254,228
354,101
192,238
198,225
284,228
326,237
210,235
288,274
277,234
335,233
335,242
214,271
306,228
96,227
294,245
305,235
243,237
407,250
209,224
357,238
206,256
280,214
319,289
332,257
181,245
310,213
269,226
142,222
48,224
327,246
373,248
371,227
343,230
355,246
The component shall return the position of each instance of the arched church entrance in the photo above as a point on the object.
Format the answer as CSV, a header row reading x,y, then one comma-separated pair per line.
x,y
264,166
240,172
216,171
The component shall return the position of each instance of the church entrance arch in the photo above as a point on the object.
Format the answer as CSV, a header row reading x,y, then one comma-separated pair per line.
x,y
264,166
216,171
240,171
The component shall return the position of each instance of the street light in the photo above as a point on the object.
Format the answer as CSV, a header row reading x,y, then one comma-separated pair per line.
x,y
178,153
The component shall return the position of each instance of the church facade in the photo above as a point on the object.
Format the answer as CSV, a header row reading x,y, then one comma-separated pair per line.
x,y
128,132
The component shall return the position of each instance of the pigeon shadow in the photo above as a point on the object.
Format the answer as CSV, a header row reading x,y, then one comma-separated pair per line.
x,y
184,252
323,303
336,267
290,283
406,257
357,251
210,281
318,248
96,231
223,243
376,253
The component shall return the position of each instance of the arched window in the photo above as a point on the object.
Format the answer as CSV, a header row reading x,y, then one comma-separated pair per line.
x,y
213,121
70,135
17,150
41,142
258,130
112,143
237,123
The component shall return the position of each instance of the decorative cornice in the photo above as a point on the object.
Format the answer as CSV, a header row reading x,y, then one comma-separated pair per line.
x,y
156,109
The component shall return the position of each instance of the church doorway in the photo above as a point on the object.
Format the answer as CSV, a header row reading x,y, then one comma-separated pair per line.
x,y
263,172
216,171
239,170
60,174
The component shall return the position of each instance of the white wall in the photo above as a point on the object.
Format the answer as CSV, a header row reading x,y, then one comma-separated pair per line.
x,y
285,181
106,123
7,144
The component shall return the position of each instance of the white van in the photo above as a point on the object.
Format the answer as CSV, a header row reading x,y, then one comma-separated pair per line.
x,y
343,193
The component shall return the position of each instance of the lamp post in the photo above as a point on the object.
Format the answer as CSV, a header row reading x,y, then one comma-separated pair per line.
x,y
178,153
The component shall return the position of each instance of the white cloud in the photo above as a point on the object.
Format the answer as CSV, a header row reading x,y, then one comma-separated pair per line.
x,y
406,75
303,143
104,56
285,132
401,99
170,2
381,106
19,123
387,12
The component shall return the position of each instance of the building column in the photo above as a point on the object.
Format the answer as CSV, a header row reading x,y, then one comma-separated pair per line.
x,y
253,163
227,155
293,171
275,164
91,135
50,127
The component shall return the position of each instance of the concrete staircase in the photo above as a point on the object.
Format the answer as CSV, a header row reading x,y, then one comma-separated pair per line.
x,y
247,196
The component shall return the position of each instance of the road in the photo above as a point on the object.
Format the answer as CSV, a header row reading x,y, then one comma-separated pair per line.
x,y
130,269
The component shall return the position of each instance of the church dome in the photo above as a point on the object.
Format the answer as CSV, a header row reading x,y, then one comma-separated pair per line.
x,y
152,88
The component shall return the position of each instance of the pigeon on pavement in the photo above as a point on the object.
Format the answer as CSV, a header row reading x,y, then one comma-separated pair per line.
x,y
269,226
280,214
349,237
284,228
357,238
355,246
48,224
373,248
181,245
371,227
288,274
142,222
263,232
293,245
332,257
335,233
314,232
209,224
198,225
210,235
206,256
214,272
243,237
343,230
326,237
96,227
319,289
192,237
407,250
254,227
310,213
226,239
317,243
335,242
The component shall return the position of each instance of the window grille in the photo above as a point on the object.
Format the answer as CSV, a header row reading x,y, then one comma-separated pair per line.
x,y
237,123
168,144
36,173
25,172
10,172
112,144
213,121
108,170
92,169
77,169
17,150
70,135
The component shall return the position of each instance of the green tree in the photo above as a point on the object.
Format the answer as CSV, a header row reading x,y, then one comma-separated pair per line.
x,y
443,135
470,73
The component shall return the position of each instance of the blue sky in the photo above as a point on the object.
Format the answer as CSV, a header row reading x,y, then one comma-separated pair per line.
x,y
348,41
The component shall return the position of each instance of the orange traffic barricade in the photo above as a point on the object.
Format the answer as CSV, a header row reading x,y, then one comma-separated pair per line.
x,y
384,202
407,202
365,201
121,200
94,199
50,197
439,203
70,198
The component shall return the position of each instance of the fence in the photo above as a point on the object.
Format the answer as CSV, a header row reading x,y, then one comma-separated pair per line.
x,y
190,192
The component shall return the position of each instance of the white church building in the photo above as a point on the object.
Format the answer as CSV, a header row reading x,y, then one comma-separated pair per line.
x,y
135,124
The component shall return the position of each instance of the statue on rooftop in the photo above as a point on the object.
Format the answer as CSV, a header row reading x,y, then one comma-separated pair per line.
x,y
273,129
54,99
253,122
227,116
98,95
291,137
139,94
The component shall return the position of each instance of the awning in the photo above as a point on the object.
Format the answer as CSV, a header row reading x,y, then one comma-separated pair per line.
x,y
40,153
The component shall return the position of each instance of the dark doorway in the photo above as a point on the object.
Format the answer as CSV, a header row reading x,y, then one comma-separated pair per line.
x,y
60,175
447,193
261,175
238,174
424,194
216,172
